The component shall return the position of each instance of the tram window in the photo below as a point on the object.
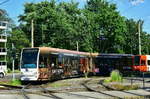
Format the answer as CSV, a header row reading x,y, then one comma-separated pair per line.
x,y
60,58
136,60
43,62
41,65
53,61
148,62
143,62
60,61
29,58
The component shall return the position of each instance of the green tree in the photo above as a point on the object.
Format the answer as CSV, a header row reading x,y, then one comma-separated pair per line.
x,y
131,36
56,25
107,22
98,27
19,40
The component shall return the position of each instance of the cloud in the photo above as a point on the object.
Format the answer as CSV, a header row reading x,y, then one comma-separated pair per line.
x,y
135,2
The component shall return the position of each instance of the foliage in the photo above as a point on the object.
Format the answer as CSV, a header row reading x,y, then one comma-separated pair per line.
x,y
19,39
4,16
64,24
108,26
115,76
15,82
98,27
10,71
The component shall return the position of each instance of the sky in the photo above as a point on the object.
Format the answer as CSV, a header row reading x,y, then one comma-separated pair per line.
x,y
137,9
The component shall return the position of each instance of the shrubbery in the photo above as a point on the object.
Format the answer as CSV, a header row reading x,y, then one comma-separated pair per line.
x,y
15,82
115,76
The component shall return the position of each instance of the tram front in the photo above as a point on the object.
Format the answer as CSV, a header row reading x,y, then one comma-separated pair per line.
x,y
29,64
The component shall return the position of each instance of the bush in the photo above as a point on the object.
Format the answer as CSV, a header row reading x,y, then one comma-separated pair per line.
x,y
9,70
115,76
15,82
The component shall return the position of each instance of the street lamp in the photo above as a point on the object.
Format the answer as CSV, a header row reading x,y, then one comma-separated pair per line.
x,y
139,35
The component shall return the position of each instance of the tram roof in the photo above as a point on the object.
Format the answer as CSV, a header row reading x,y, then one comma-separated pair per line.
x,y
112,55
46,50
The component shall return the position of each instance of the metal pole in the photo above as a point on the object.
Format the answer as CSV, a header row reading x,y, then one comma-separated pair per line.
x,y
13,64
143,81
42,34
32,34
139,32
77,46
13,69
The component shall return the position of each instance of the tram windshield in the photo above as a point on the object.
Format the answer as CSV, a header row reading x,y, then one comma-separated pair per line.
x,y
29,58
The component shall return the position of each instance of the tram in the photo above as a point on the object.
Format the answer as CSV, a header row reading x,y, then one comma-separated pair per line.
x,y
45,63
108,62
141,63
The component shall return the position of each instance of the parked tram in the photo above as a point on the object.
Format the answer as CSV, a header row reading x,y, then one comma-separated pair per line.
x,y
44,63
108,62
141,63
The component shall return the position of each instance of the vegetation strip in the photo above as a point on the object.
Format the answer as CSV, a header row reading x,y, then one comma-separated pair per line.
x,y
11,86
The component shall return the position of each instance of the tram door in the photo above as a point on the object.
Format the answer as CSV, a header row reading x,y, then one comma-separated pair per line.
x,y
84,65
43,68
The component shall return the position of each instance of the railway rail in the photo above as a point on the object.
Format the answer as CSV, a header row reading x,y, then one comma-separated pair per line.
x,y
27,91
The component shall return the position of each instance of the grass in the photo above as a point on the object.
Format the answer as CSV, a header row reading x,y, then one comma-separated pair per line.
x,y
15,82
115,76
124,87
10,71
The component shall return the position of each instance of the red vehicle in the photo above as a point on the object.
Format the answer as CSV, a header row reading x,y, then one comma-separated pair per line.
x,y
141,63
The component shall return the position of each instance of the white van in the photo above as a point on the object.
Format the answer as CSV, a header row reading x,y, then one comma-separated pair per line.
x,y
2,71
2,74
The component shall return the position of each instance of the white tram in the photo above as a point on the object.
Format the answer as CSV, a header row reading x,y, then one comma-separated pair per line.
x,y
44,63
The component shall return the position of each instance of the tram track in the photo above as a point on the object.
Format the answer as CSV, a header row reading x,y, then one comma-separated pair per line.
x,y
86,85
24,93
11,86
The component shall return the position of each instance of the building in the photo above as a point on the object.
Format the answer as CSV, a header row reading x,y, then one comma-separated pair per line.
x,y
3,49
